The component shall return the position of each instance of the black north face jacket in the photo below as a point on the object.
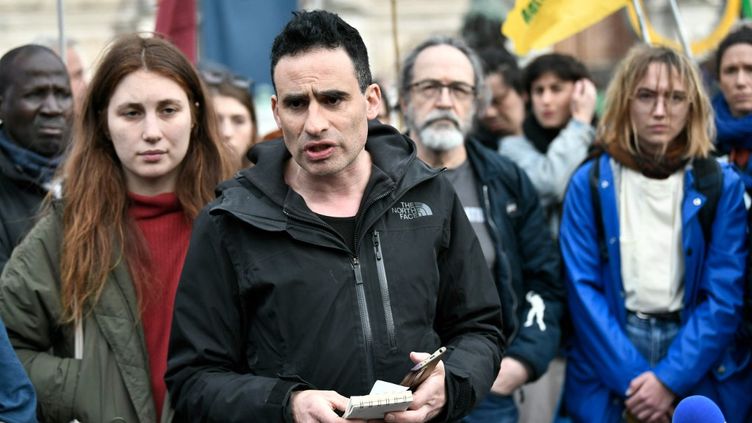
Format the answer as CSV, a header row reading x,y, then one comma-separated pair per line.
x,y
273,300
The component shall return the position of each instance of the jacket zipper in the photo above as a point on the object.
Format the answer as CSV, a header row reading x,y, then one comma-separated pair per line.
x,y
385,299
504,262
364,320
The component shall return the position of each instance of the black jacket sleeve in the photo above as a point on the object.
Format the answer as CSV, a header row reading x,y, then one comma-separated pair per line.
x,y
207,375
535,345
468,318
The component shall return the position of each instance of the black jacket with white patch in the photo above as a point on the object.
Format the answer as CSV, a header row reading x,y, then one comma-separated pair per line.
x,y
273,300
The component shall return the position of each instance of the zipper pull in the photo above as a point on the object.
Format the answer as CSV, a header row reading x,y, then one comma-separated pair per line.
x,y
376,243
356,270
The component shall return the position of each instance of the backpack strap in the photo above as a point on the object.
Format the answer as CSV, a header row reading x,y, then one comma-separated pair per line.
x,y
594,178
709,182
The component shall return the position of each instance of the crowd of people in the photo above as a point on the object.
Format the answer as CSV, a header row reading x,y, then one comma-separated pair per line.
x,y
161,261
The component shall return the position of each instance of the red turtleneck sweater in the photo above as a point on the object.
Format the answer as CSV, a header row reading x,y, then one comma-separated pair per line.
x,y
167,233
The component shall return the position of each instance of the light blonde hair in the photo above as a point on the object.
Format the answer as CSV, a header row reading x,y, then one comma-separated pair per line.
x,y
616,126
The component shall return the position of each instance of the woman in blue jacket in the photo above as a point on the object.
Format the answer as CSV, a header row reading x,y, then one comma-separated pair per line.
x,y
656,309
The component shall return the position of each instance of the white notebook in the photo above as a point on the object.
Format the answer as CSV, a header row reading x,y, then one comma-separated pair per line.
x,y
384,398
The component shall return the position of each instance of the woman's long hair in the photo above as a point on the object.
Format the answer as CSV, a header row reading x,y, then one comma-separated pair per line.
x,y
616,126
97,231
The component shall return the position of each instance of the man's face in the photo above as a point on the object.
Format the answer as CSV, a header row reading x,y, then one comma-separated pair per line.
x,y
505,113
441,105
36,107
321,110
735,77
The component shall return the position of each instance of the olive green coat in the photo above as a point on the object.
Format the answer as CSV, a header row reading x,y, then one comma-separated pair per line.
x,y
111,382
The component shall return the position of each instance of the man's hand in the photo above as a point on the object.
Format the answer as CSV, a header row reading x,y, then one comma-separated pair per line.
x,y
428,399
318,406
512,375
582,105
649,400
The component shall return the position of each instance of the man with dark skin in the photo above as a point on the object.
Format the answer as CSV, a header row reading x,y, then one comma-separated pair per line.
x,y
36,111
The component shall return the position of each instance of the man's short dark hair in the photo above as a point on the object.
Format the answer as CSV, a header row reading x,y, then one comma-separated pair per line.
x,y
321,29
8,66
502,62
742,35
564,66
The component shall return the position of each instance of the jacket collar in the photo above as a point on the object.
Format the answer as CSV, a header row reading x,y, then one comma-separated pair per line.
x,y
486,164
390,152
395,169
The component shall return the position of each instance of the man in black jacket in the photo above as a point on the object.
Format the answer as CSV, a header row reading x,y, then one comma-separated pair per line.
x,y
333,262
36,111
441,90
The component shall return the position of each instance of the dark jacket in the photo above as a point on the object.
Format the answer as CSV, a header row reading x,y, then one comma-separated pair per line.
x,y
527,257
20,199
273,300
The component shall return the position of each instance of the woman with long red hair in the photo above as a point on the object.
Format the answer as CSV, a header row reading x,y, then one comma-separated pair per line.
x,y
87,297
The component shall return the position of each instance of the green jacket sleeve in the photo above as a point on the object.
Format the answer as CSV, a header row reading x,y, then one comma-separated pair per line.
x,y
30,308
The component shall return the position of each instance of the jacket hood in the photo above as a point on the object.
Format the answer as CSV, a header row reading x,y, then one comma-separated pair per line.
x,y
390,152
395,167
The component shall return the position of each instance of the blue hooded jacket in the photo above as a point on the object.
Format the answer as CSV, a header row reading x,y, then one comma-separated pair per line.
x,y
704,358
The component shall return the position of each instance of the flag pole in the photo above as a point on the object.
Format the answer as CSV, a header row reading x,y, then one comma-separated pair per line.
x,y
395,39
680,28
641,18
61,32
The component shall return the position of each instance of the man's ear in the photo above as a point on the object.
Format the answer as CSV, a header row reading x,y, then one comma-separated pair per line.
x,y
373,101
275,111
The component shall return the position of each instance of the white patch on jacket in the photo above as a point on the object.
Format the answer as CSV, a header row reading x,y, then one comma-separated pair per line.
x,y
537,308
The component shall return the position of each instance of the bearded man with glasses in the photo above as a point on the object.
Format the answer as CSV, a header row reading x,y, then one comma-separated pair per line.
x,y
441,91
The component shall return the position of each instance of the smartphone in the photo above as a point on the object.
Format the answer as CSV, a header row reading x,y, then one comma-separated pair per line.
x,y
422,370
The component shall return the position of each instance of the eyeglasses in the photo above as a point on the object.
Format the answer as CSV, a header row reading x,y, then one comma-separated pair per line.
x,y
431,89
217,77
648,99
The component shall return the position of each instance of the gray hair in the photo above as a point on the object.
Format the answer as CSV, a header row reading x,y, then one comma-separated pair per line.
x,y
406,74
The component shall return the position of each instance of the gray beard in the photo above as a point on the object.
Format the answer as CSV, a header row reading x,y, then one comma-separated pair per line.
x,y
443,138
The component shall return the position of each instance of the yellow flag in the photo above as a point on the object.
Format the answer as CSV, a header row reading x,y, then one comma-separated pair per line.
x,y
541,23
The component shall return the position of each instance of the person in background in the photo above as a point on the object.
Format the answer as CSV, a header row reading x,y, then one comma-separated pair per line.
x,y
441,94
236,114
74,64
505,112
385,113
733,104
18,401
36,116
338,260
558,131
87,296
655,300
733,120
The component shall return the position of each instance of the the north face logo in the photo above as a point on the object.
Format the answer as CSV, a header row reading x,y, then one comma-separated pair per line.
x,y
412,210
